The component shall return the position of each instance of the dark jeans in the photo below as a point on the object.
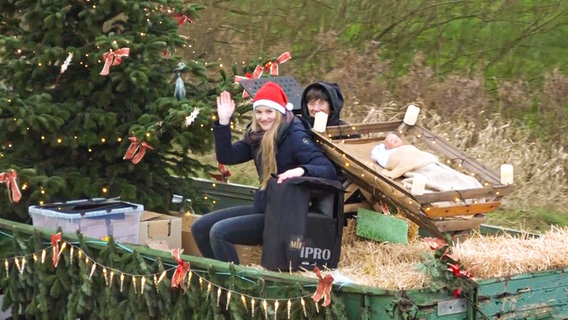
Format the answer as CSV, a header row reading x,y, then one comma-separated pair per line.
x,y
217,231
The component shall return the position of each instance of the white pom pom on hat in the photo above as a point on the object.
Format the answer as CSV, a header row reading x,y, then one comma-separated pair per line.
x,y
271,95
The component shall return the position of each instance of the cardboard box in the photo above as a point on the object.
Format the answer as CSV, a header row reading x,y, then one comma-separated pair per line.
x,y
247,254
188,243
160,231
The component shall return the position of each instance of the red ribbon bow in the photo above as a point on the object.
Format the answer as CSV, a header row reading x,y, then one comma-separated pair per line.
x,y
113,58
272,65
9,178
181,270
256,74
435,243
56,250
455,269
224,173
182,18
323,289
456,293
136,150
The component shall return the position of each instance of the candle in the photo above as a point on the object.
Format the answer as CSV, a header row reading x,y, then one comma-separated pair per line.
x,y
507,174
411,115
320,122
418,184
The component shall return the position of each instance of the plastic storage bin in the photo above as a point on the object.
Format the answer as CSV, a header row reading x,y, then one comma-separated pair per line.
x,y
95,218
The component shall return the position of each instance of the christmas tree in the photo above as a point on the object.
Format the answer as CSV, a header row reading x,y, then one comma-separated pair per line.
x,y
96,102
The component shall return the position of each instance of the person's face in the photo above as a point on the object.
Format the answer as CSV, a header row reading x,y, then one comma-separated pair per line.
x,y
265,117
392,141
317,105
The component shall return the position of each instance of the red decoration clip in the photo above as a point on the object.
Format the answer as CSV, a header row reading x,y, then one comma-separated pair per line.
x,y
455,269
9,178
113,58
56,250
272,65
257,73
323,289
223,175
181,270
182,18
136,150
435,243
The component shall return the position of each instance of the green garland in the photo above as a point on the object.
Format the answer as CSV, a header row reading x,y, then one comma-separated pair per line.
x,y
74,289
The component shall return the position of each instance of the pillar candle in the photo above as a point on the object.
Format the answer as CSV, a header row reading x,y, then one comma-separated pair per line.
x,y
320,122
418,184
411,115
507,174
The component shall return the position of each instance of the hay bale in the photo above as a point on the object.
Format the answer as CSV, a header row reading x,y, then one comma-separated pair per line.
x,y
394,265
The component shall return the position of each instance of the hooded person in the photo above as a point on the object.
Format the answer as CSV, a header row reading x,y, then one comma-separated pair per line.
x,y
325,97
280,145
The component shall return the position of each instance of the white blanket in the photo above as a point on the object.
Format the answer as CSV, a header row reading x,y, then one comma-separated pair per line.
x,y
440,177
406,161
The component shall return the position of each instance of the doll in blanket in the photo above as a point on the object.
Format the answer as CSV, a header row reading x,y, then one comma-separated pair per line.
x,y
403,160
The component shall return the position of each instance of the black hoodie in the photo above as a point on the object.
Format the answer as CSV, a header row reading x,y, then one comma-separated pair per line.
x,y
336,103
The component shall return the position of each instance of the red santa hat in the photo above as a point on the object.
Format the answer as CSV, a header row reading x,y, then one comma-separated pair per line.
x,y
272,96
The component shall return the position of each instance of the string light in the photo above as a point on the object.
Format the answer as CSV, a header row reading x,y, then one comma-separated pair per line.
x,y
134,284
265,308
108,274
276,304
218,296
228,300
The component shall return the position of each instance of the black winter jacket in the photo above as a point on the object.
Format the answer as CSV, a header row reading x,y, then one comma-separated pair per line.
x,y
296,149
336,103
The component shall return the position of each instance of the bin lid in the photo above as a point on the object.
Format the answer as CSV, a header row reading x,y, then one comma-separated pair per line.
x,y
86,208
290,86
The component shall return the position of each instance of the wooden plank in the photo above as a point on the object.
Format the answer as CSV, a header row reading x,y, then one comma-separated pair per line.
x,y
456,224
461,195
460,210
352,207
361,128
408,208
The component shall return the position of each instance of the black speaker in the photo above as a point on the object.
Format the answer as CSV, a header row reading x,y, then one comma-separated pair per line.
x,y
303,224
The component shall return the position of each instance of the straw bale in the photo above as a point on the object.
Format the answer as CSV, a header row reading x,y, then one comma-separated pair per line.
x,y
505,255
394,266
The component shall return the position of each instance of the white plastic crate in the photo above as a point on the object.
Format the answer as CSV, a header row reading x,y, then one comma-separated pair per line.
x,y
95,218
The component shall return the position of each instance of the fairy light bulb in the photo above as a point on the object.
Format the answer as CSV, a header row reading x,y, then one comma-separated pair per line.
x,y
134,284
142,285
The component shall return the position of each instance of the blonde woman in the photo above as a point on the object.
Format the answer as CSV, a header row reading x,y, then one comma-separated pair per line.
x,y
280,145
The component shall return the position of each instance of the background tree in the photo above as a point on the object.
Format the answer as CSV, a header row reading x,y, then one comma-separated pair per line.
x,y
499,44
67,126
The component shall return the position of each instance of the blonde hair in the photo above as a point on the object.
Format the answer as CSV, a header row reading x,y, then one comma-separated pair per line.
x,y
267,151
